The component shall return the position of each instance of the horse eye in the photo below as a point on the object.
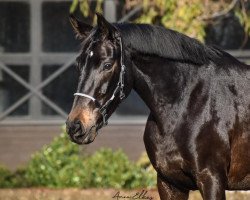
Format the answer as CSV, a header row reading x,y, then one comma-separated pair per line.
x,y
107,66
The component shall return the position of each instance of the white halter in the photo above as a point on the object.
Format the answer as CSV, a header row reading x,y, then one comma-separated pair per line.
x,y
84,95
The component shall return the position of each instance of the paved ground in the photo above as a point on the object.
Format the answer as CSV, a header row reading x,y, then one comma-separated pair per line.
x,y
18,142
95,194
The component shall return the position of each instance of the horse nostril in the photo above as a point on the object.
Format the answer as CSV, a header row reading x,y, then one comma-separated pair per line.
x,y
81,127
76,126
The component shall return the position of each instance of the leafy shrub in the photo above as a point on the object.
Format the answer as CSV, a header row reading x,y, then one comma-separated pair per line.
x,y
56,165
60,165
113,169
12,179
4,177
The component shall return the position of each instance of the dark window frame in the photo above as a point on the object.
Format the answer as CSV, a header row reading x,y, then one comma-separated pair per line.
x,y
36,58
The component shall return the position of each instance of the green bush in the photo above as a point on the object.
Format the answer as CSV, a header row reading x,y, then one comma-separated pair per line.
x,y
113,169
56,165
5,175
61,165
12,179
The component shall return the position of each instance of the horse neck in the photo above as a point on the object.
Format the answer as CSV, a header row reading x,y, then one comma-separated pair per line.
x,y
161,83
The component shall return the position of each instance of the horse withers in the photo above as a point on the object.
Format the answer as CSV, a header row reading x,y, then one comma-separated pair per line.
x,y
197,135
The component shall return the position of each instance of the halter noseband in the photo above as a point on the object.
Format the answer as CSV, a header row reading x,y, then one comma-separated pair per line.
x,y
119,88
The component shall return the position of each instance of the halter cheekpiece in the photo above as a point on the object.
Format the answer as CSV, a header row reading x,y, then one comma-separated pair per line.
x,y
119,88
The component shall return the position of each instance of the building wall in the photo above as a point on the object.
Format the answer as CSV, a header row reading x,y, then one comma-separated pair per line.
x,y
19,142
38,78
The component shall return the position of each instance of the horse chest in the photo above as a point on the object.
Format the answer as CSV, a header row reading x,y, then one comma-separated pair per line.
x,y
168,159
164,155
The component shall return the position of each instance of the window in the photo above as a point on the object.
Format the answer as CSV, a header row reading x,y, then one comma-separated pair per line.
x,y
61,89
11,90
14,26
37,55
56,29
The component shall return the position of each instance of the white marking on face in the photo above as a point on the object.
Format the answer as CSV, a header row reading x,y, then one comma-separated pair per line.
x,y
91,53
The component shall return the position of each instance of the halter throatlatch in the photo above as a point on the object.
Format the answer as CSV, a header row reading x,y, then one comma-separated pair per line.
x,y
119,88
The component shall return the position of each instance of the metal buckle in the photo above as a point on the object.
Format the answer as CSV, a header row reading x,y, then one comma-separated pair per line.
x,y
122,95
104,116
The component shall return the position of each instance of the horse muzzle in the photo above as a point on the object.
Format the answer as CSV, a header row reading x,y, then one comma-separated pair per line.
x,y
79,133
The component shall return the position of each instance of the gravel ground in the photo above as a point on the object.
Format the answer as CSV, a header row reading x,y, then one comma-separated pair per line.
x,y
94,194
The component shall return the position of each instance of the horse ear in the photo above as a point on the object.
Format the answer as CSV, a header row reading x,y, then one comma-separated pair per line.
x,y
106,28
81,29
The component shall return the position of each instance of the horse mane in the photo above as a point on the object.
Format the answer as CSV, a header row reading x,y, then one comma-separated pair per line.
x,y
157,40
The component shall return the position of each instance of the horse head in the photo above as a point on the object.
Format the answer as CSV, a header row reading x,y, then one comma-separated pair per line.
x,y
103,79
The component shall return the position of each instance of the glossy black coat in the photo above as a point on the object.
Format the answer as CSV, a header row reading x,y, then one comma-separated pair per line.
x,y
198,132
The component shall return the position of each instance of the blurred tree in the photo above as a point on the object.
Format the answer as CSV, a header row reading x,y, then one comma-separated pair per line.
x,y
86,6
187,16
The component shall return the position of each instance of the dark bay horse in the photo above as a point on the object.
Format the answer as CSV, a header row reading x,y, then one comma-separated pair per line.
x,y
198,132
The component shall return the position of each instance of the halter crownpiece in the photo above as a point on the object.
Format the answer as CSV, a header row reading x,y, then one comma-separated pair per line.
x,y
119,88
